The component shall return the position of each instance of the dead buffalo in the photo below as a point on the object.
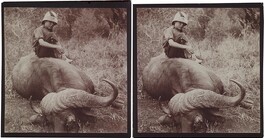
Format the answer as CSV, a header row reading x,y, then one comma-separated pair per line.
x,y
63,89
193,90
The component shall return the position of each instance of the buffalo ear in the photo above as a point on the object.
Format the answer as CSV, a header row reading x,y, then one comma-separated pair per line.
x,y
165,119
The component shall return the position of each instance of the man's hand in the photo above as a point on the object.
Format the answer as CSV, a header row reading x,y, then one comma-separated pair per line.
x,y
59,48
189,49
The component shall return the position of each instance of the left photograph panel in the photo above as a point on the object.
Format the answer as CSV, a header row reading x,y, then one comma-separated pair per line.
x,y
65,69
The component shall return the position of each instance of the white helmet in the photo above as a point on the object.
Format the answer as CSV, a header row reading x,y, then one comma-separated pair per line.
x,y
180,17
50,16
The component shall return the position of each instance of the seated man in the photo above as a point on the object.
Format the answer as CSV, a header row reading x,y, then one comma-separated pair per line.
x,y
45,42
175,42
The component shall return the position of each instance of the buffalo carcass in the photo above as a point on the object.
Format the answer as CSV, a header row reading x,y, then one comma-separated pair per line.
x,y
63,89
177,77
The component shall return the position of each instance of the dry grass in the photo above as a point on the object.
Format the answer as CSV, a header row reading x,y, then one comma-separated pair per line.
x,y
99,58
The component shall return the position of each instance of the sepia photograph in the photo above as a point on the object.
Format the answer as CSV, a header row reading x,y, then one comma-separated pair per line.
x,y
66,69
198,69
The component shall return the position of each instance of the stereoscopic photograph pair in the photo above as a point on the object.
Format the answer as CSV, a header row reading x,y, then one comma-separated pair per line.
x,y
67,70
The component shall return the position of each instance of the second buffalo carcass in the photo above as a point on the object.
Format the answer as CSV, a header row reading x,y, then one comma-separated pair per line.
x,y
195,92
66,93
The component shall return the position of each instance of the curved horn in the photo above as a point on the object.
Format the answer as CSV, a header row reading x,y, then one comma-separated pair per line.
x,y
34,108
74,98
108,100
234,101
199,98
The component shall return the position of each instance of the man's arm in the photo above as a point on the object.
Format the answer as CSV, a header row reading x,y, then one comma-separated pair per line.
x,y
46,44
168,36
177,45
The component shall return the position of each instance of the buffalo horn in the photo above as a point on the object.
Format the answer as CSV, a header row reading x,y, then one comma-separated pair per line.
x,y
74,98
199,98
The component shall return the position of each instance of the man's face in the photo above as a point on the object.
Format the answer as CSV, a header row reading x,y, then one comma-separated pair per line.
x,y
179,25
49,24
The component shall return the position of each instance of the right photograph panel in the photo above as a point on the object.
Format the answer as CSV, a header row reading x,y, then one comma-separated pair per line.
x,y
198,69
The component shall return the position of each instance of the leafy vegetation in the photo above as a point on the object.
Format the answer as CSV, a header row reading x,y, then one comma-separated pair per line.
x,y
227,40
96,40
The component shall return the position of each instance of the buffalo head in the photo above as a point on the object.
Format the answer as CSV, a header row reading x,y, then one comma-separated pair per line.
x,y
63,90
192,109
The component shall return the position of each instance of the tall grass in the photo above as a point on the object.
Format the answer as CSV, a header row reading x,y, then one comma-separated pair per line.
x,y
99,57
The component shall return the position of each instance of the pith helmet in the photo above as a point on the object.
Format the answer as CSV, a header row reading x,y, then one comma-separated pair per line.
x,y
50,16
180,17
